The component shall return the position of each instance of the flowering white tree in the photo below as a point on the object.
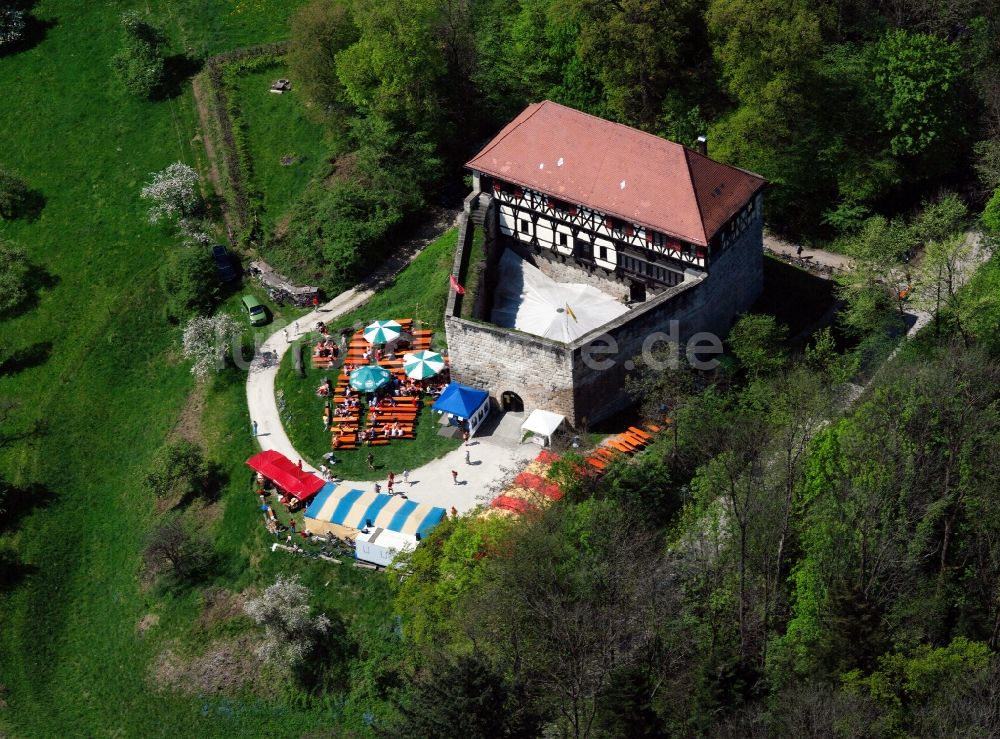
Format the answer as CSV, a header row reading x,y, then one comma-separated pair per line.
x,y
11,25
174,193
206,341
193,232
290,631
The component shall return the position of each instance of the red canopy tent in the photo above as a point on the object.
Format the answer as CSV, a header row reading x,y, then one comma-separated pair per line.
x,y
278,468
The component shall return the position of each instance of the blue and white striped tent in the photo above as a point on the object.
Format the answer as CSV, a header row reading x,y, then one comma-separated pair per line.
x,y
344,511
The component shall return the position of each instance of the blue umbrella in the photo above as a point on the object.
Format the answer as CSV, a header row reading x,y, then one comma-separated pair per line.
x,y
370,378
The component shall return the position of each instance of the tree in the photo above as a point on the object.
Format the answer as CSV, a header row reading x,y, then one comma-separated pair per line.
x,y
13,195
871,286
15,270
663,389
634,48
756,341
291,632
465,697
571,598
443,571
917,77
12,25
392,70
189,282
140,64
173,192
171,544
907,685
319,31
206,341
180,470
991,213
768,52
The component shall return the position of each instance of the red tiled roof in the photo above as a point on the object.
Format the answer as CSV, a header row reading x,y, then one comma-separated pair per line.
x,y
618,170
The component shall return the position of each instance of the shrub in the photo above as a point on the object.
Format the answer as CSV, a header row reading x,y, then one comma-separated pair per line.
x,y
206,341
14,275
173,547
189,281
140,64
173,192
180,469
13,195
290,631
12,25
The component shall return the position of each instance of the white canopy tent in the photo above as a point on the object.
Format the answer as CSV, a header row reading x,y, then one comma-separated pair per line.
x,y
529,301
542,424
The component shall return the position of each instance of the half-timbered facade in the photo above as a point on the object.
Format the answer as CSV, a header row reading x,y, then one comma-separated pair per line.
x,y
671,235
613,197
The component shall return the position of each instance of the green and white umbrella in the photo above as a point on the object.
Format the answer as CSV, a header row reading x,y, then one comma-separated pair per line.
x,y
422,365
382,332
370,378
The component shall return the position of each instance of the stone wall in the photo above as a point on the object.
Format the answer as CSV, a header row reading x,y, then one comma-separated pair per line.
x,y
500,360
560,377
734,282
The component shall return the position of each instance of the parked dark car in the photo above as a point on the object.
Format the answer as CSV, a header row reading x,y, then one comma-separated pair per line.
x,y
224,263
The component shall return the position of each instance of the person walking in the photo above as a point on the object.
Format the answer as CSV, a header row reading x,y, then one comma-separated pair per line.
x,y
454,511
390,485
287,341
454,476
465,437
378,488
467,460
406,476
253,424
798,251
370,459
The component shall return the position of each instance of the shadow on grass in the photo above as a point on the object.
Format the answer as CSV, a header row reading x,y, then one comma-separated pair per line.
x,y
20,501
33,355
179,69
39,278
13,571
35,31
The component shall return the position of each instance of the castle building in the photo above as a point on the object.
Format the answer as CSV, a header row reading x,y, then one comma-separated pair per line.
x,y
597,235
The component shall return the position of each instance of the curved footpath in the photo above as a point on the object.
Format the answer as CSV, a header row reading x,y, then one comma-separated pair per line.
x,y
492,453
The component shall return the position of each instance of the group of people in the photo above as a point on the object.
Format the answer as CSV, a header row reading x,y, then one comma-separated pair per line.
x,y
327,348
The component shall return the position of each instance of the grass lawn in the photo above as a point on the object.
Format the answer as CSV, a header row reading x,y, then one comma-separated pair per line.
x,y
277,128
477,260
105,388
419,292
303,419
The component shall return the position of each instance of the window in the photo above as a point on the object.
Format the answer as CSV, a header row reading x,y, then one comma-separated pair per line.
x,y
602,253
563,238
629,230
524,225
609,223
571,210
518,193
497,188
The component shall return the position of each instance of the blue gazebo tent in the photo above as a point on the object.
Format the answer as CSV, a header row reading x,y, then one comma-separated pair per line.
x,y
464,403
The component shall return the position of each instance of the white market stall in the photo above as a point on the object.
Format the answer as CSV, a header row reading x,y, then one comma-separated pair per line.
x,y
542,425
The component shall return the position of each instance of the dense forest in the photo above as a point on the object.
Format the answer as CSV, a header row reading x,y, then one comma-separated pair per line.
x,y
851,109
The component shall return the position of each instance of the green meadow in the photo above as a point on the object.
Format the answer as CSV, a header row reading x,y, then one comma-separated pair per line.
x,y
103,386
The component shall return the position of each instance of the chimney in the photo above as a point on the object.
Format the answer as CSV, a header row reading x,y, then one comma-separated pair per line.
x,y
703,145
